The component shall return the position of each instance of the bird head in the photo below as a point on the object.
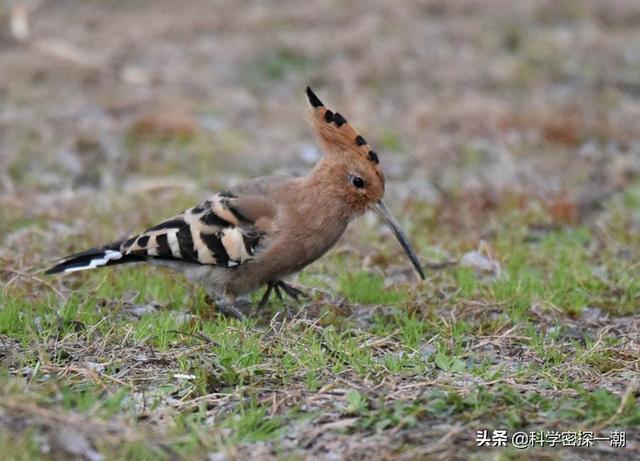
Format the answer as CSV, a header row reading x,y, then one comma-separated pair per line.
x,y
351,168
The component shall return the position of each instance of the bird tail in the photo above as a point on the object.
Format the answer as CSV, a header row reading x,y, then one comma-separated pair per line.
x,y
108,255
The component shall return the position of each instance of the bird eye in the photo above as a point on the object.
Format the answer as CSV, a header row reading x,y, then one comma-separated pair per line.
x,y
357,181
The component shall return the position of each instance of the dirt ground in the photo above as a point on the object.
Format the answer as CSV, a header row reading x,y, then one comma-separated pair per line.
x,y
114,114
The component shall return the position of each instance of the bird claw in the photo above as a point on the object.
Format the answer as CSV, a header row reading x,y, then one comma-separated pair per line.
x,y
225,308
230,310
290,290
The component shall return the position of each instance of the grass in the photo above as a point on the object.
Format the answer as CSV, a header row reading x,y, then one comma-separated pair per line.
x,y
363,287
370,357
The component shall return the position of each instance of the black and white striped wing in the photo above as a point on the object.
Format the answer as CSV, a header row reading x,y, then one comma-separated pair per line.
x,y
214,232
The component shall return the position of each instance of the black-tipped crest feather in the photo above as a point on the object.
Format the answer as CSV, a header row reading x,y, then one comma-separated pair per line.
x,y
313,99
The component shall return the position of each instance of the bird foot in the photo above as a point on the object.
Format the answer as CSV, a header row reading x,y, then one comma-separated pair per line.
x,y
236,310
290,290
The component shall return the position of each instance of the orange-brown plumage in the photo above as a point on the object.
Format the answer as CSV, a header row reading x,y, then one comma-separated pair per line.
x,y
265,229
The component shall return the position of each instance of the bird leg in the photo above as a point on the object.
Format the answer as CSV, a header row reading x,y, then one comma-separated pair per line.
x,y
276,290
267,293
278,285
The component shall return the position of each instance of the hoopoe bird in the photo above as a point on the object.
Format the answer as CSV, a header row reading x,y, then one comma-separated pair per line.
x,y
263,230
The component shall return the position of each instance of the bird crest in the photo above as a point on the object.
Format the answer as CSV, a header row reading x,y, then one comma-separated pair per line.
x,y
336,134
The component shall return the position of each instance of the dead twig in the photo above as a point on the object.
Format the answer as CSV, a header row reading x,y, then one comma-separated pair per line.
x,y
22,274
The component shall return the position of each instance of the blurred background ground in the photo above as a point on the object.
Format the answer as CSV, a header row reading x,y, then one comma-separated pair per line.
x,y
534,98
491,118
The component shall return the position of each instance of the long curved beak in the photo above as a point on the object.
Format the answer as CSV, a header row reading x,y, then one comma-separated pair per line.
x,y
383,211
